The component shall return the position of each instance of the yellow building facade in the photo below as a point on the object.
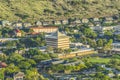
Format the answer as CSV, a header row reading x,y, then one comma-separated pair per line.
x,y
58,40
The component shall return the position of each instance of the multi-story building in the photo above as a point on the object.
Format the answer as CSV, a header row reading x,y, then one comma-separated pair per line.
x,y
44,29
57,40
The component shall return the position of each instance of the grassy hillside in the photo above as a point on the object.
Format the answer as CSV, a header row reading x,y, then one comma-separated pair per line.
x,y
29,10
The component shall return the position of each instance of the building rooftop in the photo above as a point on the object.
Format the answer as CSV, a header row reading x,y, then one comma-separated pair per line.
x,y
117,43
19,74
17,31
56,35
8,38
41,27
2,64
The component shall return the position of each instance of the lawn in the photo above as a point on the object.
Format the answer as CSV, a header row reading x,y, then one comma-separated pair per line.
x,y
99,60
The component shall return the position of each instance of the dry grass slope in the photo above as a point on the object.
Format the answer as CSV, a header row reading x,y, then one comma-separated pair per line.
x,y
29,10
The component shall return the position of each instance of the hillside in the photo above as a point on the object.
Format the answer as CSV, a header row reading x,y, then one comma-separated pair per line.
x,y
29,10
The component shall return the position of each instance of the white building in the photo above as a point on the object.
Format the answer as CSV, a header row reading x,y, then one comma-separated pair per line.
x,y
79,45
8,39
115,46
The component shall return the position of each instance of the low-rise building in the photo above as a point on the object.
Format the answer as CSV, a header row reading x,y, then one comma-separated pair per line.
x,y
38,23
96,28
106,28
116,47
79,45
82,52
2,40
17,25
44,29
19,76
5,23
65,21
108,20
85,20
75,21
27,25
96,19
46,23
18,33
57,22
91,24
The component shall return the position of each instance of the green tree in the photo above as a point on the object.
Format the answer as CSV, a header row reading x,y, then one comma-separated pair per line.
x,y
108,33
24,65
100,43
3,57
2,74
49,48
32,74
11,69
31,52
108,45
15,58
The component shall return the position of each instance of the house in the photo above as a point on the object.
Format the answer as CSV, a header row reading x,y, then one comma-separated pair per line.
x,y
108,20
5,23
19,76
76,31
45,23
41,29
115,47
38,23
106,28
90,24
27,25
65,21
75,21
96,28
17,25
18,33
96,19
3,65
57,22
85,20
111,75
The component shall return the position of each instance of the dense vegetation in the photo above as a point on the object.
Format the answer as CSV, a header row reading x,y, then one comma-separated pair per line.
x,y
29,10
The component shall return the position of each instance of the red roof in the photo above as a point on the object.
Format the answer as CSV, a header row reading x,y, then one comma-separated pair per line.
x,y
18,31
2,64
44,27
